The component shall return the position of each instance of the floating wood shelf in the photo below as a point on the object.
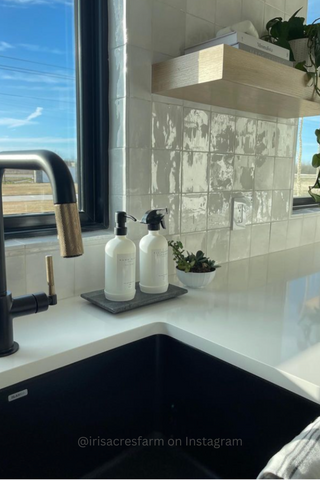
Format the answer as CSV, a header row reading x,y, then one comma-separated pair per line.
x,y
227,77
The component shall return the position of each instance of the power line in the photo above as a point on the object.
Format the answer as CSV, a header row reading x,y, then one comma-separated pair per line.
x,y
37,98
34,72
38,63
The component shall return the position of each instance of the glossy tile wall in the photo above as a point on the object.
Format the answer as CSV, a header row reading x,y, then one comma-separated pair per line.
x,y
25,262
190,157
195,158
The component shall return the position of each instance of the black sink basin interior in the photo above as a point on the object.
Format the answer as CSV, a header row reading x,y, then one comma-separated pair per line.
x,y
173,397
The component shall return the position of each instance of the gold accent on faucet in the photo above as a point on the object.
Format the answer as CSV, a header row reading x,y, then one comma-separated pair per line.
x,y
50,275
69,229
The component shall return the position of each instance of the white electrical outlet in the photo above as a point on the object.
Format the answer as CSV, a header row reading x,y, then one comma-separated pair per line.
x,y
239,213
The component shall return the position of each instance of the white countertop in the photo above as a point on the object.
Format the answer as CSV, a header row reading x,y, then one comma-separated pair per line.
x,y
260,314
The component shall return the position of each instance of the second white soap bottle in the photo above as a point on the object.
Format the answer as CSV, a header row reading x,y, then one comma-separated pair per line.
x,y
153,249
120,263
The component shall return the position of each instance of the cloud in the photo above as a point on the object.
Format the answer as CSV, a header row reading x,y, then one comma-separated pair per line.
x,y
22,3
310,144
16,122
34,88
35,114
5,46
311,120
33,78
38,140
65,147
70,88
39,49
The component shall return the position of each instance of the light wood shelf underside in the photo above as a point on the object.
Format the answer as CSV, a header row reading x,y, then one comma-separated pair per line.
x,y
227,77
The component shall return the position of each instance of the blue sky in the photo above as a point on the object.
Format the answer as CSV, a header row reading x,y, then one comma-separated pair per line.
x,y
37,86
310,146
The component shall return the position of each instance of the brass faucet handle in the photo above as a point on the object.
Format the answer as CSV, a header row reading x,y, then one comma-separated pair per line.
x,y
50,275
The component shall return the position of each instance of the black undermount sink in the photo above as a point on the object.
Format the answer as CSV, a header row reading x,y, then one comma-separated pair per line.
x,y
160,390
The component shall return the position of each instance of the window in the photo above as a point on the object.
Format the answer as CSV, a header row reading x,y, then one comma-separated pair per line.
x,y
305,175
52,98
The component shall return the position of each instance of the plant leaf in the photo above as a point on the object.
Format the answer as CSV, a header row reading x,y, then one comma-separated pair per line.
x,y
294,15
315,197
296,28
317,60
273,22
199,255
301,66
316,160
317,182
284,43
280,30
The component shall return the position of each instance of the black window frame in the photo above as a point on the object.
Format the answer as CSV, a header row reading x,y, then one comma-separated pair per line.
x,y
92,82
300,203
304,202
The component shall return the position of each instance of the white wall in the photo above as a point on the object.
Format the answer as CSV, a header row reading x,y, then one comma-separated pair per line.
x,y
195,158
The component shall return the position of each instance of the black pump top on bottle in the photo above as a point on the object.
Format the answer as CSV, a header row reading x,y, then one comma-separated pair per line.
x,y
121,220
155,218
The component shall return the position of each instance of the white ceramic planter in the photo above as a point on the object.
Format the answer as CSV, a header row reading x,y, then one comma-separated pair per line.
x,y
195,280
300,50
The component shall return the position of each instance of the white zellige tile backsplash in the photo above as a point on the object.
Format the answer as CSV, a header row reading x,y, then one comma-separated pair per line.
x,y
190,157
195,158
25,262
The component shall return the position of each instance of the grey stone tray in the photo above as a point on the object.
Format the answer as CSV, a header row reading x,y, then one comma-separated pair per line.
x,y
140,300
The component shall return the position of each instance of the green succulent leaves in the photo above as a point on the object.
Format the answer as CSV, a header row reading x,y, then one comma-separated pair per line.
x,y
191,262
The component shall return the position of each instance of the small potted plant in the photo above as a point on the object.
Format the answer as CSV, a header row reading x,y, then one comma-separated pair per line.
x,y
302,40
193,270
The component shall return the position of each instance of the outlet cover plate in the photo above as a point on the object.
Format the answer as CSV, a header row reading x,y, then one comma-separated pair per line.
x,y
239,213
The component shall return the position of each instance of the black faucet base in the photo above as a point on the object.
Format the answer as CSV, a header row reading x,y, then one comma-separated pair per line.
x,y
13,349
68,226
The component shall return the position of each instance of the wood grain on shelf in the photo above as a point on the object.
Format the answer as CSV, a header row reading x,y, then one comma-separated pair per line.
x,y
227,77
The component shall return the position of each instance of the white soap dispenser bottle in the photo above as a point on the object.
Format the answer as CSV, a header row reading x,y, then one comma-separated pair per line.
x,y
120,263
153,249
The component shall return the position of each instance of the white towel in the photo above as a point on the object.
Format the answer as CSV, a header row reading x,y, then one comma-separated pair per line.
x,y
298,459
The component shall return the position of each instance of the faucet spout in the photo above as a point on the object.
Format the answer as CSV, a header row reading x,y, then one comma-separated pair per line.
x,y
69,234
64,195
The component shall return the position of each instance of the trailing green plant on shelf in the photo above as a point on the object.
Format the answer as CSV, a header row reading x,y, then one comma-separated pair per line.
x,y
281,32
194,263
284,32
